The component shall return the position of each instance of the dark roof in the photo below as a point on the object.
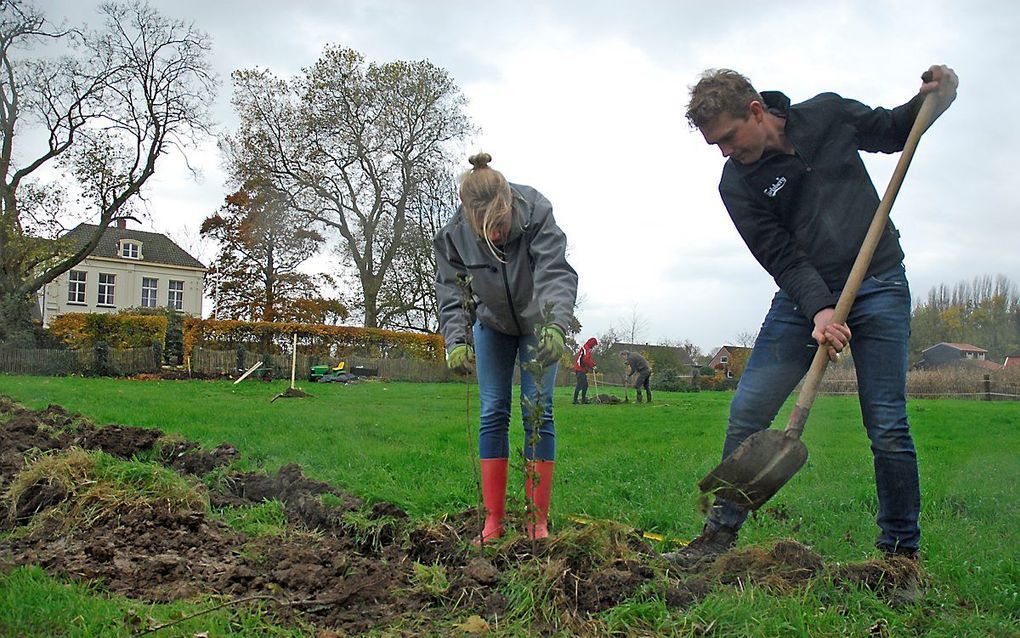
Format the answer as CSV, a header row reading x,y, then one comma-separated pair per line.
x,y
964,347
731,350
655,351
156,248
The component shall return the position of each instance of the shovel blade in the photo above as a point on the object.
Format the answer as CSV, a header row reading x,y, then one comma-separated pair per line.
x,y
757,469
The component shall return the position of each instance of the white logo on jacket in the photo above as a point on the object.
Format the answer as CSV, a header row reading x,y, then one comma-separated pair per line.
x,y
772,190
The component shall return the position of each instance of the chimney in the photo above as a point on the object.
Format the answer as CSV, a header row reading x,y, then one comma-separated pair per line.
x,y
122,222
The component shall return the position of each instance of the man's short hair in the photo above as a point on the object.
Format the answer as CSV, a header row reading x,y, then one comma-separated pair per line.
x,y
720,91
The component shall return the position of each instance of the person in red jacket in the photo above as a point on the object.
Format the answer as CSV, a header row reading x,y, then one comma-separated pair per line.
x,y
583,364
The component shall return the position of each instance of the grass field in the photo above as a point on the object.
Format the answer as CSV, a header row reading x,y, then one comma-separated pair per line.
x,y
413,444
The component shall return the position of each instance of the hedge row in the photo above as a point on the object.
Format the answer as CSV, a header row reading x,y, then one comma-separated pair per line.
x,y
120,331
312,339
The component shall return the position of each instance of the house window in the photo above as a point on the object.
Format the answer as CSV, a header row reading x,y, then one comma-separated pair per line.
x,y
130,250
175,295
149,285
729,374
76,287
724,359
106,284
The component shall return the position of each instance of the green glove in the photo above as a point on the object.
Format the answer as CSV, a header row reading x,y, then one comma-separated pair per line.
x,y
550,344
461,359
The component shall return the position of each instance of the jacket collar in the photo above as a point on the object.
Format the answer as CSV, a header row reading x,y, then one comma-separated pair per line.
x,y
776,102
519,224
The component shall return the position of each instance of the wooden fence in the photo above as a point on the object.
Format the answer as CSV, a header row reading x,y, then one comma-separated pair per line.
x,y
47,362
206,362
926,386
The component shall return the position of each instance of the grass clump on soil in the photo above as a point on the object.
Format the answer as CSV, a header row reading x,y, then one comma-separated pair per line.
x,y
263,519
429,579
78,488
370,531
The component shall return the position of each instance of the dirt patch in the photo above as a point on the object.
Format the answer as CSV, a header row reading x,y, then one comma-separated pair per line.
x,y
784,566
346,567
187,457
900,581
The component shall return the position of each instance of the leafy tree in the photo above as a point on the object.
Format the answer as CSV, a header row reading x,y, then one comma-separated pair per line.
x,y
97,119
361,148
262,241
318,310
606,362
984,312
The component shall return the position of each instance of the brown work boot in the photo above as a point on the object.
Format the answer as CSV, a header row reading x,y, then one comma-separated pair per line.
x,y
907,586
712,542
910,553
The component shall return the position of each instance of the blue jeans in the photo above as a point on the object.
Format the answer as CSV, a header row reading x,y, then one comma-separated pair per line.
x,y
495,357
880,325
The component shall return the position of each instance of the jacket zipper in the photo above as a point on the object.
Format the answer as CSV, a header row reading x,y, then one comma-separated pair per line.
x,y
799,155
510,299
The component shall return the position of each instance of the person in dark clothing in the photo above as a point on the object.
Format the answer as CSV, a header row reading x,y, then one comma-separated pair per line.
x,y
801,198
640,370
583,364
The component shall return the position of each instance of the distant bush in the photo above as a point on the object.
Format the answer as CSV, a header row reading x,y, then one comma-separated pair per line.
x,y
320,339
670,379
120,331
172,347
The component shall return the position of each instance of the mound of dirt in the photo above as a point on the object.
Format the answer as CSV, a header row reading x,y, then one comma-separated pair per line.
x,y
343,566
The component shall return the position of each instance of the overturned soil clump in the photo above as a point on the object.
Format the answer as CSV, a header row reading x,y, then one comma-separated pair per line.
x,y
336,563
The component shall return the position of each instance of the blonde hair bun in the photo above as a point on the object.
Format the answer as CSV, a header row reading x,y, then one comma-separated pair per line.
x,y
481,160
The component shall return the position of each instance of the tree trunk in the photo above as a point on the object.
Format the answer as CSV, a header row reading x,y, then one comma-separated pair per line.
x,y
16,326
370,288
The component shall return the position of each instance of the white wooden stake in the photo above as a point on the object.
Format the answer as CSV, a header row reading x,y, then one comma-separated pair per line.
x,y
293,362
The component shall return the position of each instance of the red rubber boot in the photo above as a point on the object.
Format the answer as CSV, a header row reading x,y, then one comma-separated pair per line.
x,y
494,498
538,497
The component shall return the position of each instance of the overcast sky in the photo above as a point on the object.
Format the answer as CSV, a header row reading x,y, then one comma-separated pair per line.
x,y
584,100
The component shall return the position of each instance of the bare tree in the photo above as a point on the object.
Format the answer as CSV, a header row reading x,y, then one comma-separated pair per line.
x,y
634,326
693,351
407,299
105,112
746,339
356,146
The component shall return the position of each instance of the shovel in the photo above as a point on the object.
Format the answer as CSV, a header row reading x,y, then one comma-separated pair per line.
x,y
766,460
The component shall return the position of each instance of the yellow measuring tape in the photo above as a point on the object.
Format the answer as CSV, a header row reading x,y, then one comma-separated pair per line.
x,y
583,520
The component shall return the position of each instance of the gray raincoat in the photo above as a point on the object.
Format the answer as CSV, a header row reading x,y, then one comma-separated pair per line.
x,y
509,296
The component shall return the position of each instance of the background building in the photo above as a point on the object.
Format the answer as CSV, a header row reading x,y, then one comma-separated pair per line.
x,y
128,269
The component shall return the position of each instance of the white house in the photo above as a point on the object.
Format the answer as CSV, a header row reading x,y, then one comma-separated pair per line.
x,y
128,269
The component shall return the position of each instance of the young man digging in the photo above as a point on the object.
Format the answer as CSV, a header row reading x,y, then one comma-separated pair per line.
x,y
798,192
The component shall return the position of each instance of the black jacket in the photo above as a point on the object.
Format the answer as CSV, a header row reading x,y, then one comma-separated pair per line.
x,y
804,216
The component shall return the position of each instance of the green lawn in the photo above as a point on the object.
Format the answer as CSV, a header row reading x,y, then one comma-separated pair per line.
x,y
414,444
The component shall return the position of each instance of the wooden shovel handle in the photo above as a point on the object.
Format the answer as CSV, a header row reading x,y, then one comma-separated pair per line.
x,y
795,426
